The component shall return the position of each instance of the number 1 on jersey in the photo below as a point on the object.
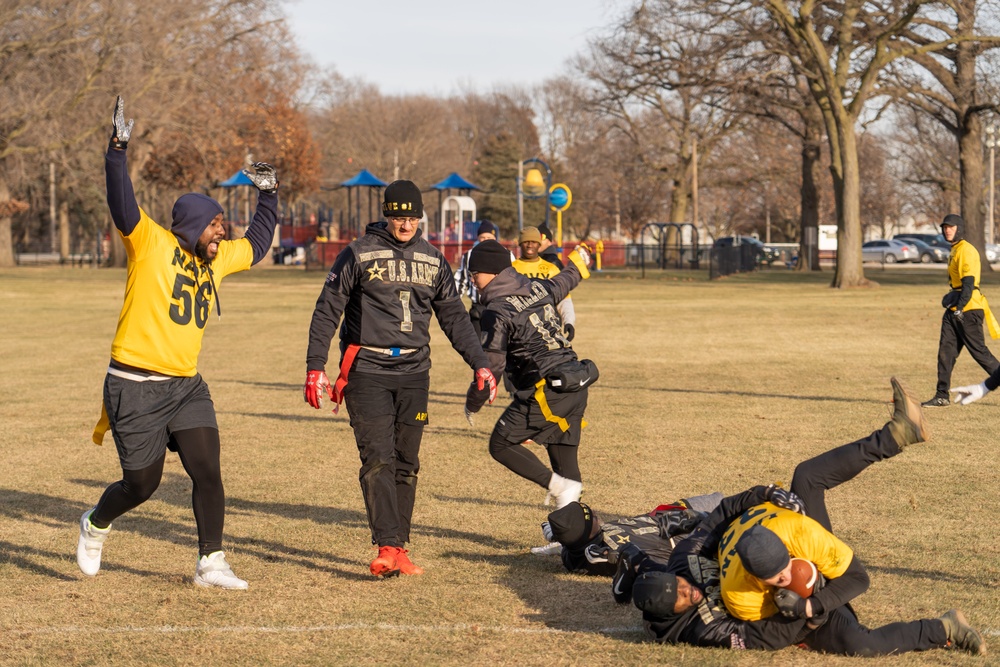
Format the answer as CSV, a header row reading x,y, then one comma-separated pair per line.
x,y
407,323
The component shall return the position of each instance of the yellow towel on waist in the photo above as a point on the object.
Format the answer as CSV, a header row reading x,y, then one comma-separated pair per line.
x,y
102,427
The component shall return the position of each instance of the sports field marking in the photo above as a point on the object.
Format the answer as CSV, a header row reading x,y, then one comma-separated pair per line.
x,y
292,629
344,627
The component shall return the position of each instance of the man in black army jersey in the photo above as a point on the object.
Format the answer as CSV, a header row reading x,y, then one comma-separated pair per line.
x,y
523,335
387,284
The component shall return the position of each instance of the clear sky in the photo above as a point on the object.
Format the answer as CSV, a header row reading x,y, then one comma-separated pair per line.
x,y
434,47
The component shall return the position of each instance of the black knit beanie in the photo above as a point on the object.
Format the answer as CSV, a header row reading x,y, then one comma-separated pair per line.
x,y
571,525
953,220
489,257
402,200
762,552
486,227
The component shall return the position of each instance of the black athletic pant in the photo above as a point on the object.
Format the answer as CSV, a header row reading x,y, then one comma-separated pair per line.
x,y
198,449
956,334
388,414
843,634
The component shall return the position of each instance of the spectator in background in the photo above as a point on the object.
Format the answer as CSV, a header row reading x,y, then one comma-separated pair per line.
x,y
548,250
463,278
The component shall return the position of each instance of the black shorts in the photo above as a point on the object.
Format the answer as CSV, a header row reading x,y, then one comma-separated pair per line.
x,y
546,417
142,415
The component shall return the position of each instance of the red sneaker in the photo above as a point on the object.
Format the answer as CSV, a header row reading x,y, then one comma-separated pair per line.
x,y
386,564
406,566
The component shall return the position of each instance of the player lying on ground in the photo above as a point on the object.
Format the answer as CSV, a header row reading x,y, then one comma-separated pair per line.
x,y
154,397
719,586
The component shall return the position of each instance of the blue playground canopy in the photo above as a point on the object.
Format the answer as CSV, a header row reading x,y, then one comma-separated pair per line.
x,y
454,182
364,178
237,179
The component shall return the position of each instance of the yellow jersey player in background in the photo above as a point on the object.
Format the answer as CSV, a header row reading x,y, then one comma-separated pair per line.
x,y
965,311
154,398
531,264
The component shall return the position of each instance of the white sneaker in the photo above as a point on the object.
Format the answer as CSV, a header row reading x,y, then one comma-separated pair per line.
x,y
550,549
563,491
88,549
214,571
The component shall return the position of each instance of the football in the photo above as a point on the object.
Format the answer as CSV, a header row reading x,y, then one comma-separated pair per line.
x,y
803,577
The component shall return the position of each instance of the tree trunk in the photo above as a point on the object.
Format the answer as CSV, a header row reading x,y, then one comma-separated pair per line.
x,y
6,240
809,200
970,159
849,271
64,249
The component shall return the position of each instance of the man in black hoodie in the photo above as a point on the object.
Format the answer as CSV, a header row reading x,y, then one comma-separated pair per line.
x,y
154,397
523,336
386,285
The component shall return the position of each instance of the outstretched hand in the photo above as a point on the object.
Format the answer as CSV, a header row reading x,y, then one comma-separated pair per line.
x,y
263,176
969,394
484,378
121,131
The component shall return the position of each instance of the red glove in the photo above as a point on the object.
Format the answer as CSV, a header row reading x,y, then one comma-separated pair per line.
x,y
484,377
316,383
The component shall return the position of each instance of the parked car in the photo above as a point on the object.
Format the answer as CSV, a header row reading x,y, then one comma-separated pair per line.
x,y
928,253
889,251
766,253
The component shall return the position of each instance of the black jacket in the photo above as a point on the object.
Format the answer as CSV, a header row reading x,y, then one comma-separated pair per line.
x,y
522,333
386,291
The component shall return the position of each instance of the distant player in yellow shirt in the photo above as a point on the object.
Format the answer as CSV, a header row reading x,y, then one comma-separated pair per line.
x,y
532,265
965,312
154,398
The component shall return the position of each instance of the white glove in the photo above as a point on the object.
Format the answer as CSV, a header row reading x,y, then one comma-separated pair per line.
x,y
969,394
584,252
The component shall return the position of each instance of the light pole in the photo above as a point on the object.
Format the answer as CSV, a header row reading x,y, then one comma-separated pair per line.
x,y
532,185
991,143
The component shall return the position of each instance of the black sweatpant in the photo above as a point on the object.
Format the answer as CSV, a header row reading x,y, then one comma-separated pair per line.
x,y
843,634
198,449
388,414
956,334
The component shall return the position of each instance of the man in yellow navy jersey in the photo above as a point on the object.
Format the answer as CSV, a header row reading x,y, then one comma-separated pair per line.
x,y
154,398
531,264
965,311
723,585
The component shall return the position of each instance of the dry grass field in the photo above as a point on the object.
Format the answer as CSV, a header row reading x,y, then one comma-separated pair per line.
x,y
704,386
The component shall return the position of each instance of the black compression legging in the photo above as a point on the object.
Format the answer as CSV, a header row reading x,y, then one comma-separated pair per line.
x,y
519,459
199,452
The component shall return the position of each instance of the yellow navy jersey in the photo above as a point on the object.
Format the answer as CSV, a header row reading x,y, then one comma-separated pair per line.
x,y
546,271
169,295
964,262
747,597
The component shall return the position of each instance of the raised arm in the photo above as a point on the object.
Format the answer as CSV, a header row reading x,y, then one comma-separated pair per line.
x,y
260,233
121,198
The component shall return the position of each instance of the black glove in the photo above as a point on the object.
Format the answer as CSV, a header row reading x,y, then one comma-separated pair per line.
x,y
678,522
624,577
790,603
784,499
950,300
120,130
570,331
263,176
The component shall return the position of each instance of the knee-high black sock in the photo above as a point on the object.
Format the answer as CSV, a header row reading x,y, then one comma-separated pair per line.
x,y
199,452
